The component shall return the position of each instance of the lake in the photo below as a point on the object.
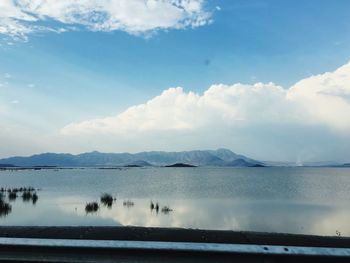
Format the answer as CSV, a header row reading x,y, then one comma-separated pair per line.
x,y
289,200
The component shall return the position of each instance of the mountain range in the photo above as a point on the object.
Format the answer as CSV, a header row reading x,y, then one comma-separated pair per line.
x,y
219,157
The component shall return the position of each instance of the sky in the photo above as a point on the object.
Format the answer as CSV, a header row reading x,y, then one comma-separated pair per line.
x,y
269,79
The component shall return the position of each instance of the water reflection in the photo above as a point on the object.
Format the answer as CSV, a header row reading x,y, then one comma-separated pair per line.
x,y
306,201
228,215
224,214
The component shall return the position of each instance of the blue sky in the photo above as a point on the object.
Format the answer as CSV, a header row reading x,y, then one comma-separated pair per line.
x,y
49,80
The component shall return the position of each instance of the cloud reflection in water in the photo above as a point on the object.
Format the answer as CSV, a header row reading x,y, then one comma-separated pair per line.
x,y
224,214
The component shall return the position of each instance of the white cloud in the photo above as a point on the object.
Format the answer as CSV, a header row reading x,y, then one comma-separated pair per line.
x,y
309,121
175,109
21,17
325,98
318,100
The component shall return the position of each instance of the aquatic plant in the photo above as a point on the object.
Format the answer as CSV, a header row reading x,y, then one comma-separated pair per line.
x,y
128,203
17,189
166,209
91,207
107,199
28,189
27,196
12,196
34,198
5,208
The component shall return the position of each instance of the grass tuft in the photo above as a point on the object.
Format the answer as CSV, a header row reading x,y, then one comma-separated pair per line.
x,y
128,203
107,199
34,198
166,210
12,196
27,196
5,208
91,207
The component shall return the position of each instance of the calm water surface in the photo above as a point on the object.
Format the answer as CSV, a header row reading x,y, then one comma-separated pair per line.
x,y
291,200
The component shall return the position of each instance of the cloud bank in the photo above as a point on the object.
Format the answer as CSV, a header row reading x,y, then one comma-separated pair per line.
x,y
18,18
310,120
318,100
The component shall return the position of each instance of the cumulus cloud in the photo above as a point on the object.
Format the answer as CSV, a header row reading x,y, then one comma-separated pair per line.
x,y
178,110
317,100
325,98
308,121
21,17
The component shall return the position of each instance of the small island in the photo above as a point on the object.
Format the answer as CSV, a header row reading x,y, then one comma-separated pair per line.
x,y
180,165
132,165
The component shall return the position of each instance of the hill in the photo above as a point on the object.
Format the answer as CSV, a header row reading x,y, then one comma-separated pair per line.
x,y
220,157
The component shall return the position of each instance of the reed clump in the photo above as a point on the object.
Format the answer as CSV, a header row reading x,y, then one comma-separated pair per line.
x,y
154,206
27,196
5,208
34,198
128,203
166,209
91,207
17,189
12,196
107,199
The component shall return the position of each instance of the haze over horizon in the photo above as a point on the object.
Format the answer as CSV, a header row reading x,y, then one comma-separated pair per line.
x,y
266,79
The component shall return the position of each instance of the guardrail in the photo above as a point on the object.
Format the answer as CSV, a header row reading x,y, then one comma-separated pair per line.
x,y
45,244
